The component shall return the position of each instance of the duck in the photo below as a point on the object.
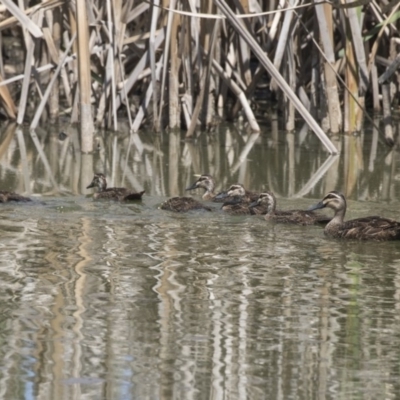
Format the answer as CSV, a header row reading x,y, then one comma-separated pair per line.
x,y
299,217
238,191
114,193
183,204
6,197
207,183
367,228
237,201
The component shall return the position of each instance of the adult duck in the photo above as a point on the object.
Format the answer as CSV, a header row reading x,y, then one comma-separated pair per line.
x,y
237,201
238,191
267,200
367,228
114,193
207,183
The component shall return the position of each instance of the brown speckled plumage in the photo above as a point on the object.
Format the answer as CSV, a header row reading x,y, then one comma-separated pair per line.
x,y
238,200
367,228
299,217
6,196
120,194
183,204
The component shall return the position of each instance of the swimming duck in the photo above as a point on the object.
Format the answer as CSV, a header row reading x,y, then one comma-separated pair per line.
x,y
121,194
207,183
238,191
183,204
367,228
300,217
237,201
6,196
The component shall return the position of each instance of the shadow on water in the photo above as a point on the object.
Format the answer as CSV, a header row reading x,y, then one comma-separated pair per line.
x,y
108,300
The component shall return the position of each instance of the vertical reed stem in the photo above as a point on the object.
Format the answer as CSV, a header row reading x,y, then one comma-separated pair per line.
x,y
86,120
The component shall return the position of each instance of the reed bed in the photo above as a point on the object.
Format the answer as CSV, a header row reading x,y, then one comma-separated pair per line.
x,y
192,64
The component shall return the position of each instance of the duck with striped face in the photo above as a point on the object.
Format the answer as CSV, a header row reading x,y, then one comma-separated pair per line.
x,y
367,228
99,181
207,183
237,201
267,200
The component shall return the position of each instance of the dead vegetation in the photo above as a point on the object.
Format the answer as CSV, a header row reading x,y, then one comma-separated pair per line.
x,y
190,64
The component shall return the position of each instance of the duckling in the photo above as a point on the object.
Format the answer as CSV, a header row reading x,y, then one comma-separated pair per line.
x,y
367,228
238,190
300,217
6,196
183,204
121,194
207,183
237,201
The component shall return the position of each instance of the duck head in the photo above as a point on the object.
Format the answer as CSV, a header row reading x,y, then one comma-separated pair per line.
x,y
205,182
99,181
334,200
236,190
266,199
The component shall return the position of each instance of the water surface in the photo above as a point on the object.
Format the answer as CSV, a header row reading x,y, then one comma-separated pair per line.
x,y
101,300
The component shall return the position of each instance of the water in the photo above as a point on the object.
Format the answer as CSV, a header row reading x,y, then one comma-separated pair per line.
x,y
101,300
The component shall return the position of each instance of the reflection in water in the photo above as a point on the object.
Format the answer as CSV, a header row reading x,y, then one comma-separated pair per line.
x,y
109,300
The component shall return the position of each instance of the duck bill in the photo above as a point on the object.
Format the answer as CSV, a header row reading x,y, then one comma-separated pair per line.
x,y
221,196
253,204
192,187
91,185
316,206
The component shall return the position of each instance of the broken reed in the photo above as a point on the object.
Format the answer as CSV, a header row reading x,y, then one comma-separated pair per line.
x,y
182,70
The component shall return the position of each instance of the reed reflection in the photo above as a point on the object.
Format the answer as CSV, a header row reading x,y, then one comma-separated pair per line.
x,y
50,163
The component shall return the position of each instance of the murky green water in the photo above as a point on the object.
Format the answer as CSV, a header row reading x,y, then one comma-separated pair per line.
x,y
101,300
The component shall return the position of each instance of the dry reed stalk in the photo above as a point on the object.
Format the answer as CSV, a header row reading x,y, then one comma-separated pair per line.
x,y
7,102
86,120
282,42
20,15
167,46
264,60
187,70
208,36
230,62
1,56
152,52
149,93
126,58
46,95
375,88
362,76
137,70
291,79
324,16
351,106
387,113
173,76
244,61
240,95
354,19
30,46
53,41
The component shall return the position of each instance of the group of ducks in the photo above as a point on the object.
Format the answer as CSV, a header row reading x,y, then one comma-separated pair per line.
x,y
238,201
